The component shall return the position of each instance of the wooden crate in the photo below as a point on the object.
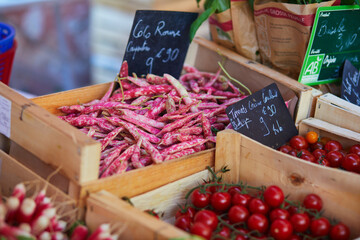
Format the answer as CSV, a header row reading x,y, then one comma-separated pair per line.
x,y
141,180
250,162
338,111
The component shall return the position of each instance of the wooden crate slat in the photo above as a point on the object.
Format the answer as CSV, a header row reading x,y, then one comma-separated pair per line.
x,y
51,139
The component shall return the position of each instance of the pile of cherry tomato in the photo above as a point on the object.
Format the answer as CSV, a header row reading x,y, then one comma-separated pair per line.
x,y
216,210
323,151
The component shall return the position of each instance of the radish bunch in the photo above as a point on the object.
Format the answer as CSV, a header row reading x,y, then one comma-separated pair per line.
x,y
156,118
30,217
36,217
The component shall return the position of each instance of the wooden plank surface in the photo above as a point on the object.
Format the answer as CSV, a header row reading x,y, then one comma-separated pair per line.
x,y
105,207
142,180
261,165
51,139
337,111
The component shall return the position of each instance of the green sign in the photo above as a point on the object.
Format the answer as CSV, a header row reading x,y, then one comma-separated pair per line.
x,y
335,37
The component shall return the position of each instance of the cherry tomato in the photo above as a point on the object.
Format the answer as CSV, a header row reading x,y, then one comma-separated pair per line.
x,y
294,237
335,158
313,202
240,237
200,199
324,162
308,158
311,137
274,196
355,149
317,145
324,140
258,222
281,229
183,222
279,213
241,199
201,229
257,205
238,213
339,232
302,152
300,222
351,162
320,227
242,232
234,189
207,217
221,201
318,153
189,211
285,148
224,233
298,142
333,145
293,152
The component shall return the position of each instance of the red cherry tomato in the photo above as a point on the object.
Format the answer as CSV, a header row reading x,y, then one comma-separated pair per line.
x,y
308,157
234,189
294,237
221,201
257,205
238,213
285,148
300,222
258,222
333,145
317,145
199,199
351,162
279,213
240,237
320,227
224,233
189,211
303,152
293,153
335,158
298,142
281,229
355,149
183,222
340,232
207,217
201,229
274,196
319,153
313,202
241,199
324,162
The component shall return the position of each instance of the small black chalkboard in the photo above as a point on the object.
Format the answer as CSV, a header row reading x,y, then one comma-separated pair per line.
x,y
350,88
158,42
264,117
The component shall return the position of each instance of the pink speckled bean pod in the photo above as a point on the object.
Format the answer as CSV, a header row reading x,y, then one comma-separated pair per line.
x,y
233,100
104,124
109,105
190,130
71,109
178,123
155,111
108,93
180,89
181,146
124,69
207,105
143,125
206,126
170,105
140,100
226,94
110,137
135,158
82,121
201,96
141,82
213,79
190,76
154,79
138,117
186,138
169,138
107,161
190,69
194,86
180,154
119,164
153,105
219,126
222,120
143,91
180,111
211,138
229,126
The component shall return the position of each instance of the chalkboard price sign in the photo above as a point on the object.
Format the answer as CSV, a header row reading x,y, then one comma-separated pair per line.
x,y
264,117
350,88
335,37
158,42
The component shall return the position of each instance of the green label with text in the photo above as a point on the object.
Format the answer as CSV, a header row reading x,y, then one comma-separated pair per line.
x,y
312,68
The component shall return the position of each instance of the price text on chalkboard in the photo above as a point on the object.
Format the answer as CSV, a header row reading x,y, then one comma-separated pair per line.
x,y
264,117
158,42
350,89
335,37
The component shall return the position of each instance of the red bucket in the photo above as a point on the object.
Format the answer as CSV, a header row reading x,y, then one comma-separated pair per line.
x,y
6,61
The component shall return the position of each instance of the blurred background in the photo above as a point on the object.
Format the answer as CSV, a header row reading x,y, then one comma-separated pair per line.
x,y
67,44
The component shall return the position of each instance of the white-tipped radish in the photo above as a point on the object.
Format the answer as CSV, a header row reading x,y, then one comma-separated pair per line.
x,y
39,198
80,233
39,225
26,210
12,233
57,225
102,229
58,236
12,205
45,236
19,192
25,226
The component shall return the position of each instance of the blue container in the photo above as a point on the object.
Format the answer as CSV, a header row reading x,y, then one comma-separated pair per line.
x,y
7,34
